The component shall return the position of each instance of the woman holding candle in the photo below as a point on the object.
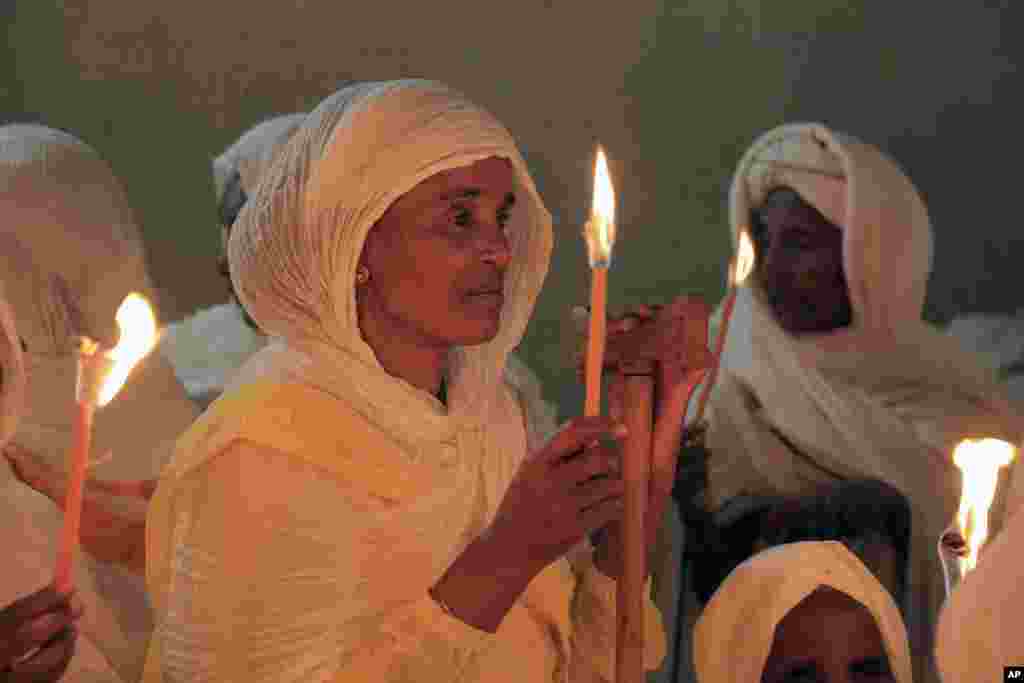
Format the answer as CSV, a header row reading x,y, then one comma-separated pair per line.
x,y
808,611
69,254
829,373
368,475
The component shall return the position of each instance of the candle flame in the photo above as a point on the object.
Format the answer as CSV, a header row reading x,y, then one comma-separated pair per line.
x,y
744,263
138,337
980,461
599,231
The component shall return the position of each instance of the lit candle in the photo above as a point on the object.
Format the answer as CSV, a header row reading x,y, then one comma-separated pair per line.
x,y
101,374
599,234
980,461
740,267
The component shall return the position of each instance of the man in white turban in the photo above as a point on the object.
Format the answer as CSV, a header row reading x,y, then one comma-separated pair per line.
x,y
829,372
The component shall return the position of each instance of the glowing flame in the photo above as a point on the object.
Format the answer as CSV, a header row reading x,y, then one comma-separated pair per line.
x,y
744,263
599,231
138,337
979,460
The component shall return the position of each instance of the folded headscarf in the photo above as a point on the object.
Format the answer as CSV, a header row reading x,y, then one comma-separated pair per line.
x,y
297,243
253,152
886,398
69,254
734,634
209,347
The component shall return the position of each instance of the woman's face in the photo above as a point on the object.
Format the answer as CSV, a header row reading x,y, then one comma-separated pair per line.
x,y
800,266
827,638
438,256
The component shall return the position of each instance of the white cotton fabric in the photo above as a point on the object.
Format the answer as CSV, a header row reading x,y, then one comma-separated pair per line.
x,y
69,254
293,256
734,634
887,397
208,347
253,152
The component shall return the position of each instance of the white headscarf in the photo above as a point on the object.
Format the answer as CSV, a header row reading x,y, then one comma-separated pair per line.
x,y
72,253
69,254
887,397
12,372
735,632
297,243
253,152
208,347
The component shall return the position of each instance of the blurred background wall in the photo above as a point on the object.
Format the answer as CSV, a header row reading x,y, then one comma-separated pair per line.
x,y
674,90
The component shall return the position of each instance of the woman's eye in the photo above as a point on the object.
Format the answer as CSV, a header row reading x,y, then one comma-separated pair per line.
x,y
463,218
504,216
24,346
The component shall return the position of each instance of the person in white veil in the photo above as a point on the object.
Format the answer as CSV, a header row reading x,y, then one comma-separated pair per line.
x,y
361,503
829,372
208,347
71,253
808,611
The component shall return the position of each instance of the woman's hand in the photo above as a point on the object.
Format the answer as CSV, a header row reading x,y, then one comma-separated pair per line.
x,y
676,337
559,495
37,636
567,490
113,523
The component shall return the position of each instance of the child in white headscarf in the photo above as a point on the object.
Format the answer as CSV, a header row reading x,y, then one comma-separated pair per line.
x,y
808,611
830,373
70,254
354,506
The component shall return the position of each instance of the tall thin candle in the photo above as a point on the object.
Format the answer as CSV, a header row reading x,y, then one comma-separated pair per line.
x,y
740,268
599,234
101,374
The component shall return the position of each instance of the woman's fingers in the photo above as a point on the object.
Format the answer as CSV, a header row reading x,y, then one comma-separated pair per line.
x,y
50,662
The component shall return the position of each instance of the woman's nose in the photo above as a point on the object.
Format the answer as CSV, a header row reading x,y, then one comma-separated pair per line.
x,y
495,247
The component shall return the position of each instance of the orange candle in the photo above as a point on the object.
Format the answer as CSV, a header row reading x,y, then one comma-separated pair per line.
x,y
739,269
599,234
716,358
596,341
101,374
73,498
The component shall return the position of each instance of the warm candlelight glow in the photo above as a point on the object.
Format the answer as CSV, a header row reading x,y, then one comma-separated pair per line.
x,y
980,461
138,337
744,263
599,231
